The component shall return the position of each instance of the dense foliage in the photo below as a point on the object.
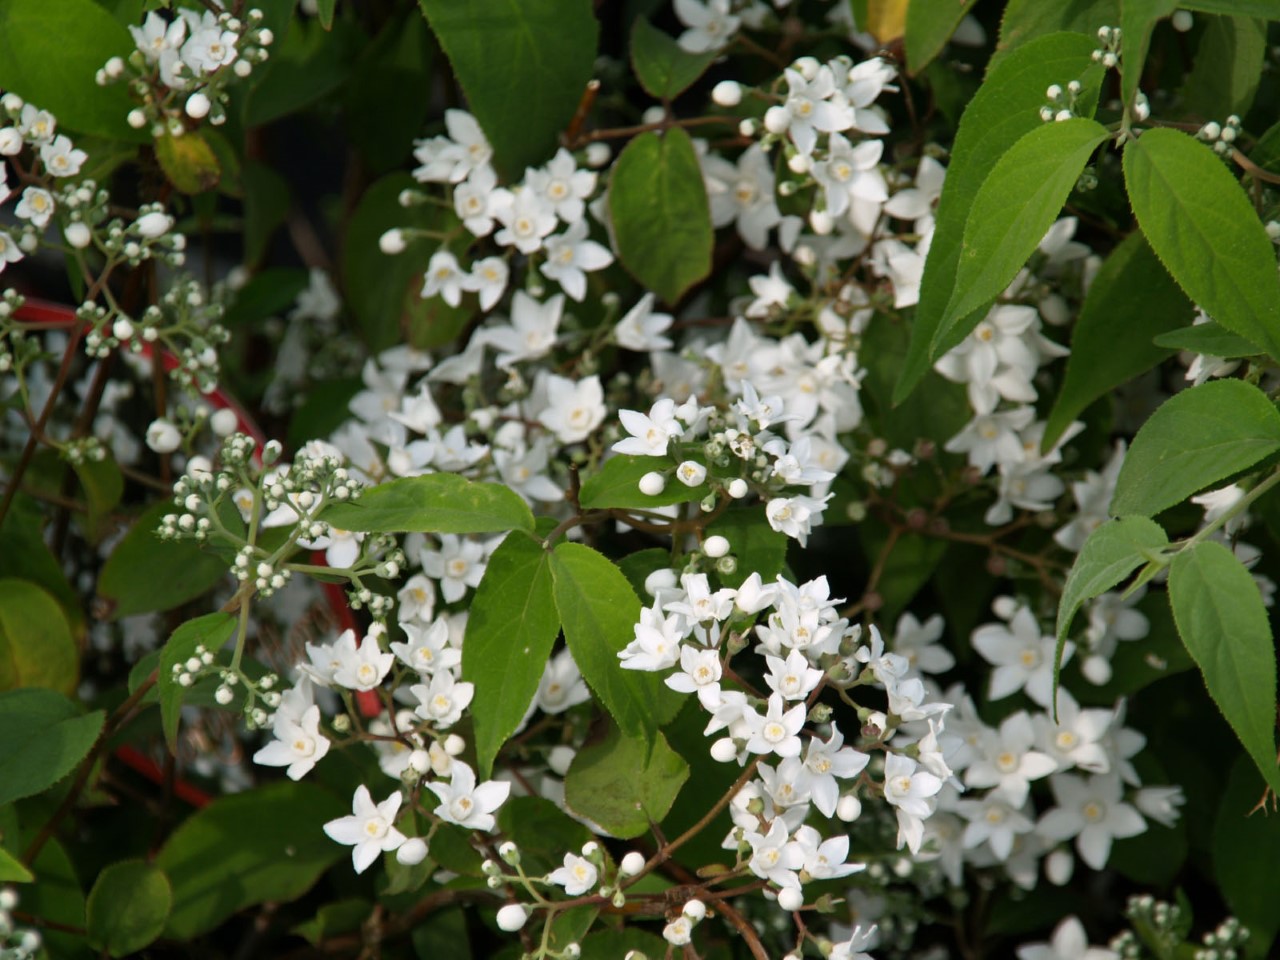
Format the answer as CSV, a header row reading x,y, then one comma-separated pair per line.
x,y
714,479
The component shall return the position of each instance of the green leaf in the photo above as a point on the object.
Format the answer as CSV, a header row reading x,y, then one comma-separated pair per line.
x,y
25,555
542,831
624,783
341,916
305,67
524,66
1112,552
188,161
1005,108
434,503
1246,848
1211,339
58,898
1267,9
1137,20
211,631
1222,621
1131,301
324,10
380,121
103,486
929,27
43,737
145,573
662,66
12,870
1203,228
599,611
36,646
661,218
50,51
1013,209
1195,438
510,632
266,844
1025,21
617,484
757,546
1228,67
908,567
1266,152
127,907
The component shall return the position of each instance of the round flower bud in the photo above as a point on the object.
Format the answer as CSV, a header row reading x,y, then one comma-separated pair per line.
x,y
154,224
790,899
420,761
776,119
631,864
163,436
724,750
799,164
1182,20
738,488
747,127
454,744
849,808
223,695
691,473
509,852
78,235
727,93
715,546
663,579
807,67
695,910
412,852
137,118
1054,92
391,242
512,917
598,154
559,758
572,951
652,484
224,422
1096,669
1228,134
653,115
1058,867
822,222
198,106
122,329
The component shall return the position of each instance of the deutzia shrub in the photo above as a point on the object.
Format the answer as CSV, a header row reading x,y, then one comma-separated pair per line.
x,y
734,479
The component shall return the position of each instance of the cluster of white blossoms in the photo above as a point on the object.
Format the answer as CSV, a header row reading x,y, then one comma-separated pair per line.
x,y
182,66
16,943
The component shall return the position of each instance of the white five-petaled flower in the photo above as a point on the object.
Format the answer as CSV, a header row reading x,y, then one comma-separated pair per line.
x,y
444,278
570,256
36,205
443,700
1069,942
531,332
563,186
778,731
371,828
1092,811
911,790
466,804
574,409
60,158
577,876
298,743
642,329
359,668
1022,656
649,434
710,25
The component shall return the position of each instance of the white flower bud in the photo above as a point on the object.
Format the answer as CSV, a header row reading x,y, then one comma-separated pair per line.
x,y
559,758
1046,114
738,488
653,115
1182,20
454,745
695,910
224,422
849,808
10,142
198,106
1096,669
776,119
266,37
807,67
790,898
391,242
78,235
512,917
1228,134
631,864
727,93
163,436
223,695
155,224
747,127
420,761
1054,92
412,852
715,546
691,473
114,68
137,118
242,68
724,750
822,222
1058,867
799,164
572,951
652,484
598,154
1062,115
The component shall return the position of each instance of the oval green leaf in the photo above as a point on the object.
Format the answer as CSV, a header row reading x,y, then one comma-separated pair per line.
x,y
1211,339
1202,226
1246,848
1014,208
36,646
510,632
434,503
929,27
1131,301
1005,108
625,783
599,611
43,737
1196,438
1224,625
660,214
662,66
617,484
127,907
523,64
210,631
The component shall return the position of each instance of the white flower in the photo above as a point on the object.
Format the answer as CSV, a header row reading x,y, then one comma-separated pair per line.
x,y
1092,812
1093,496
360,668
209,49
850,173
531,332
743,192
1007,761
1161,804
298,743
473,201
563,186
574,409
774,856
36,125
577,876
443,701
699,673
810,108
162,435
691,473
157,35
994,819
561,686
641,329
457,565
61,159
855,947
1069,942
1022,656
776,732
657,642
911,791
918,643
36,205
468,805
1076,739
488,278
710,25
793,678
795,516
428,651
570,255
824,761
370,828
444,278
649,435
154,224
526,219
992,438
